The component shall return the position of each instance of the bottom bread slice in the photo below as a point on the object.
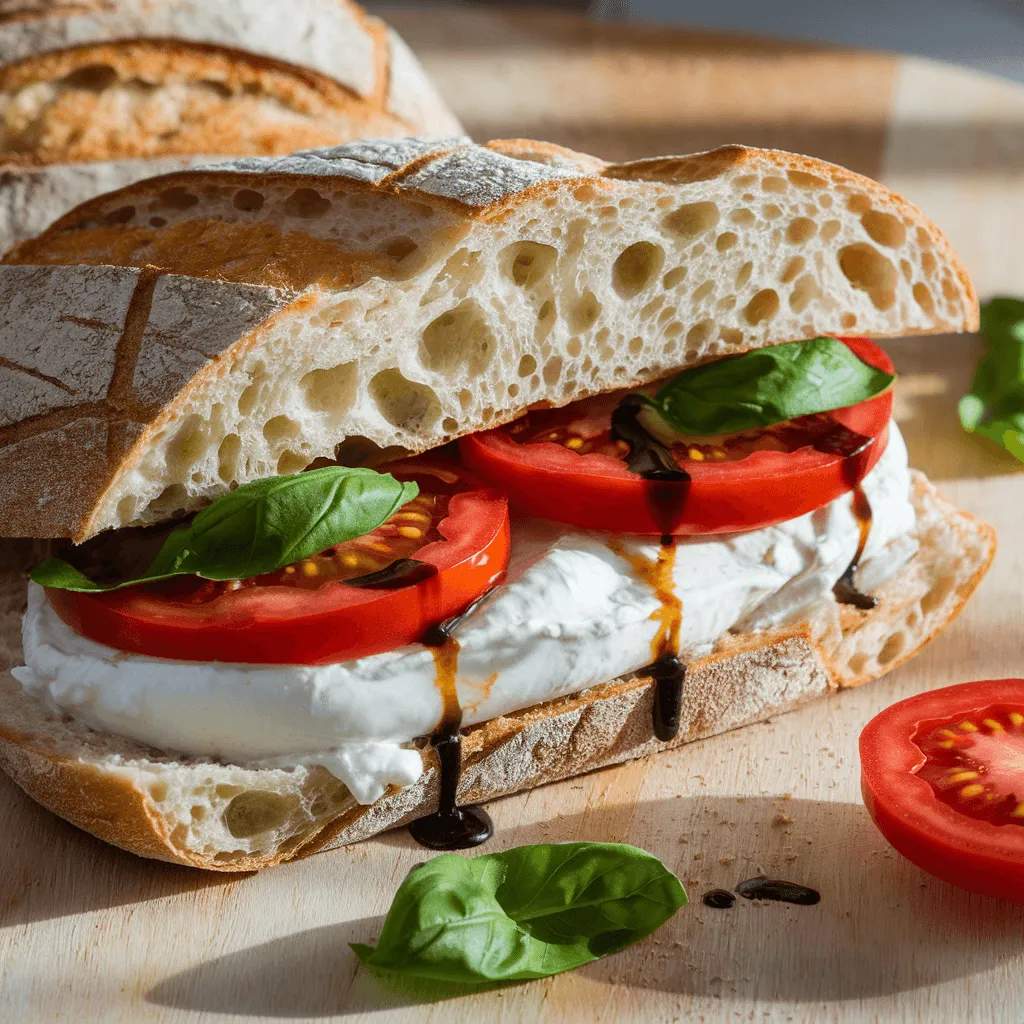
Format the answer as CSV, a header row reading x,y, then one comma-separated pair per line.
x,y
230,818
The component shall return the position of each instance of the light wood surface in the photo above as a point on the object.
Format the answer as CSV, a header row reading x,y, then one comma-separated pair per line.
x,y
92,934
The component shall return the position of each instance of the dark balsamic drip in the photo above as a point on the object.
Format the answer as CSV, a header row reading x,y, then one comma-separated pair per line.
x,y
450,827
718,899
666,487
845,592
403,572
781,892
669,674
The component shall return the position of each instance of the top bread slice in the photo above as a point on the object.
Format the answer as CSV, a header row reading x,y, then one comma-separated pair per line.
x,y
195,331
89,92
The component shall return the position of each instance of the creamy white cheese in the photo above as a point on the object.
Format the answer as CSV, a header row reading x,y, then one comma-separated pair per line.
x,y
572,614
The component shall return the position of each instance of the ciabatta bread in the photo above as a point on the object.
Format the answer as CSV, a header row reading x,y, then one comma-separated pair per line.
x,y
229,818
106,85
386,297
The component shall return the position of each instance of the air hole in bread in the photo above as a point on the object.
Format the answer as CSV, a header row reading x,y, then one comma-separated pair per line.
x,y
170,502
176,199
459,339
923,297
248,200
763,306
465,399
198,812
848,321
793,269
939,592
893,648
400,248
676,276
227,458
830,229
801,230
950,290
331,390
907,270
573,347
651,308
804,292
884,228
858,203
291,462
692,219
449,424
802,179
552,370
158,791
771,211
742,217
726,305
512,391
744,181
157,222
636,267
528,263
701,292
228,856
306,203
743,274
726,240
255,812
857,663
583,313
731,336
187,446
636,345
121,215
127,508
280,428
773,184
404,403
527,366
825,201
869,271
697,336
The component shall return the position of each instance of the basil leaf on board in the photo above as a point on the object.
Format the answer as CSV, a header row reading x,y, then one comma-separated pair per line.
x,y
524,913
768,386
994,407
262,527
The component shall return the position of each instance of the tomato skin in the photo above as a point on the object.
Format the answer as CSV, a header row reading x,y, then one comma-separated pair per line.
x,y
281,625
598,492
968,852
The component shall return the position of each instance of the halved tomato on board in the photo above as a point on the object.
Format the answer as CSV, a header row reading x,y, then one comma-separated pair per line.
x,y
429,561
564,464
943,778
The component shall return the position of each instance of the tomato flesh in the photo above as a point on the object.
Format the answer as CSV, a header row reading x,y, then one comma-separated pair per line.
x,y
565,465
942,775
310,613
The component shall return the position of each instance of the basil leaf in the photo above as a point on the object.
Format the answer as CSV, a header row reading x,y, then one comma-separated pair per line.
x,y
994,407
261,527
525,913
768,386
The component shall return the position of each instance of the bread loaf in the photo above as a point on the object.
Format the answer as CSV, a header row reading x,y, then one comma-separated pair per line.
x,y
163,343
106,86
231,818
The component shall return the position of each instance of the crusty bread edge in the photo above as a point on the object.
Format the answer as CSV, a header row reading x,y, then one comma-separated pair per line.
x,y
747,679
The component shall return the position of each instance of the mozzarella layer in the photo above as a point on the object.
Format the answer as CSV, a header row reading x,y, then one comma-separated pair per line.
x,y
571,614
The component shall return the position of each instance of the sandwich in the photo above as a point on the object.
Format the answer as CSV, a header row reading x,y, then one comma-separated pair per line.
x,y
94,96
359,487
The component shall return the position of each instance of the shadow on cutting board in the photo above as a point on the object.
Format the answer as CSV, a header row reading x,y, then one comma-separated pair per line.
x,y
50,869
882,926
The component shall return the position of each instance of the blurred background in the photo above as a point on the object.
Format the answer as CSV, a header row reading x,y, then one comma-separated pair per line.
x,y
983,34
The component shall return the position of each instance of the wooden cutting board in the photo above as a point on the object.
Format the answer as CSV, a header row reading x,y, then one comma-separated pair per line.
x,y
90,933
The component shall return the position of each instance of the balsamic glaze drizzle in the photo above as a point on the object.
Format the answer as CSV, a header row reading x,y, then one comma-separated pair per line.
x,y
450,827
782,892
403,572
666,490
845,591
718,899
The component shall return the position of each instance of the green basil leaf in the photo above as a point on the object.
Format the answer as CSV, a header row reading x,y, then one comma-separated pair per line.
x,y
524,913
261,527
768,386
994,407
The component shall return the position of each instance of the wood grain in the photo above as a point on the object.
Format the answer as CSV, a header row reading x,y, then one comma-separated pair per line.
x,y
90,933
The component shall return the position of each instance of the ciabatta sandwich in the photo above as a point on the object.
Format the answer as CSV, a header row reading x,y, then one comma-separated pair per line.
x,y
94,96
237,650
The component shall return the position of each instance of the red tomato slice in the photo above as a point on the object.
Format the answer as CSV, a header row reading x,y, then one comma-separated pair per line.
x,y
562,464
943,778
307,614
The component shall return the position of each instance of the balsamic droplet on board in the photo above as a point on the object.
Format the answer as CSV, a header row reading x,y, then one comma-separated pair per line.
x,y
718,899
778,890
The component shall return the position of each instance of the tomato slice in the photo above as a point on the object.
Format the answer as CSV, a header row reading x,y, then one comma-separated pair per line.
x,y
943,778
312,613
563,465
